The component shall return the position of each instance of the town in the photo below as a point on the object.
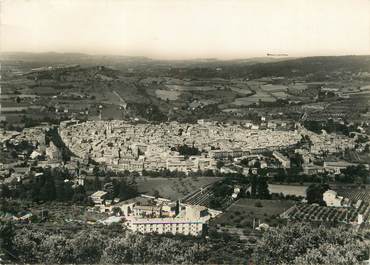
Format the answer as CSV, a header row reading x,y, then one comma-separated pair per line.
x,y
185,132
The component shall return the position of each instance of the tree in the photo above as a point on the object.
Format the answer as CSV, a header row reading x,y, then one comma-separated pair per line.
x,y
352,173
79,194
220,164
56,249
328,254
314,193
253,181
117,252
6,235
187,150
26,243
262,188
5,191
87,247
97,183
156,194
300,243
48,190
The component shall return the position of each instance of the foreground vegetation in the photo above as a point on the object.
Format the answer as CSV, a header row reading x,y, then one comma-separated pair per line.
x,y
294,244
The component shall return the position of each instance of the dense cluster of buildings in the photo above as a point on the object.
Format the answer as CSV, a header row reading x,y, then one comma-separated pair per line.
x,y
125,146
328,143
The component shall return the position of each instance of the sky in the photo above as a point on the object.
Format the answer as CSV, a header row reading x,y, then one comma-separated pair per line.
x,y
185,29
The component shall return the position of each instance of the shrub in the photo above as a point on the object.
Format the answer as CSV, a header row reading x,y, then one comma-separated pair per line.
x,y
258,204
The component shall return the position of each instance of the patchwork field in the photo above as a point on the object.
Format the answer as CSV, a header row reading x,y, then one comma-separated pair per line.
x,y
241,90
172,188
256,98
192,88
273,88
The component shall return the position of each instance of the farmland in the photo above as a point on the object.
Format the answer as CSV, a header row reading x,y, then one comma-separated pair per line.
x,y
241,213
167,94
316,213
172,188
254,99
191,88
288,189
354,194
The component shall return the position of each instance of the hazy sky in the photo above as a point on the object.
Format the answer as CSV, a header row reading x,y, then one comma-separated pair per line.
x,y
186,28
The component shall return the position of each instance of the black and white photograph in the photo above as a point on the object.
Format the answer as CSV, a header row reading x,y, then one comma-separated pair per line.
x,y
185,132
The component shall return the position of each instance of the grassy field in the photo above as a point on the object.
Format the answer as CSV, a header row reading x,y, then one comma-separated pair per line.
x,y
288,189
256,98
172,188
167,94
242,212
273,88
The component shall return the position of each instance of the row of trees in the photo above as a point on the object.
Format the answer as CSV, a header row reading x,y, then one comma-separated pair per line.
x,y
56,184
330,126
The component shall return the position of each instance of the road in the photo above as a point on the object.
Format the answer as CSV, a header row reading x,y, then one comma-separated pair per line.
x,y
123,102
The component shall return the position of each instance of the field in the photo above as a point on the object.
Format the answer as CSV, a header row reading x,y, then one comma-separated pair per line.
x,y
241,90
312,212
242,212
256,98
191,88
288,189
172,188
273,88
167,94
354,194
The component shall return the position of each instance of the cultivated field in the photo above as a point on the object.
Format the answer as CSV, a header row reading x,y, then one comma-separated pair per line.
x,y
242,212
354,194
313,212
172,188
288,189
191,88
167,94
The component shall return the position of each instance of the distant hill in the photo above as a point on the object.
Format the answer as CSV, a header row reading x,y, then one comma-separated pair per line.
x,y
86,59
312,65
69,58
251,68
316,66
73,73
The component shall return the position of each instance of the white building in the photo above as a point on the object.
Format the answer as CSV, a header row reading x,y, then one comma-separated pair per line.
x,y
285,161
165,225
190,222
98,197
331,199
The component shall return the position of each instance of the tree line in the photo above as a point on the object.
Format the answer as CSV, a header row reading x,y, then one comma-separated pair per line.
x,y
56,184
112,245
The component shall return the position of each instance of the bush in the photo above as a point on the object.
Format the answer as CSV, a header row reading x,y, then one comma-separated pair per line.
x,y
258,204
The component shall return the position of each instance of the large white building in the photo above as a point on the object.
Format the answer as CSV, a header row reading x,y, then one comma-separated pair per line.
x,y
165,225
189,222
